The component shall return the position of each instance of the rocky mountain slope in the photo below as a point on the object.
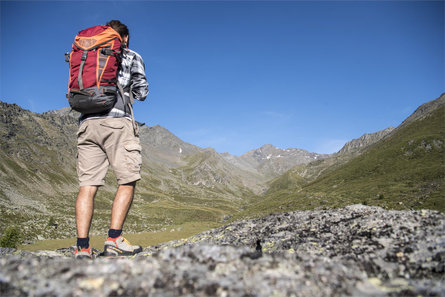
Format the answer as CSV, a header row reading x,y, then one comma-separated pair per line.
x,y
354,251
184,183
38,178
272,161
181,182
301,174
355,146
404,169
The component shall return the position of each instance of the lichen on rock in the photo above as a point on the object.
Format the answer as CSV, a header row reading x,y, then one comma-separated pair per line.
x,y
354,251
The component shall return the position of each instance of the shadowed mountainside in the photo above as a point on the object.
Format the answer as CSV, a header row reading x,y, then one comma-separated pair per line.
x,y
181,182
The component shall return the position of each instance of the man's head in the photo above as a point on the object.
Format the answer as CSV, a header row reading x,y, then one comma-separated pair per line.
x,y
121,29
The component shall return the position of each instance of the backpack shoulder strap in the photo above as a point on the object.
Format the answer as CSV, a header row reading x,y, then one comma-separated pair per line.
x,y
130,105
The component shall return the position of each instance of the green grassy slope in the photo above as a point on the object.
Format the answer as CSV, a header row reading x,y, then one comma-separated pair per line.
x,y
403,171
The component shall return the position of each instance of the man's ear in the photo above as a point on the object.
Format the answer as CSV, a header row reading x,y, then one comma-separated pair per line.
x,y
125,41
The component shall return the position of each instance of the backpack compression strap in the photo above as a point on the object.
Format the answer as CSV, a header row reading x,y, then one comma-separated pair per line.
x,y
82,64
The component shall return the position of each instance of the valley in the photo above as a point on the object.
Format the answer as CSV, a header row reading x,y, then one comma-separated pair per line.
x,y
396,168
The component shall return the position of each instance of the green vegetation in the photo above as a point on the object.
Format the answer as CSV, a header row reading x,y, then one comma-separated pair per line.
x,y
11,238
52,222
404,171
143,239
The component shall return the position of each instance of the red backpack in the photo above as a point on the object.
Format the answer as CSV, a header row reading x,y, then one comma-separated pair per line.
x,y
94,62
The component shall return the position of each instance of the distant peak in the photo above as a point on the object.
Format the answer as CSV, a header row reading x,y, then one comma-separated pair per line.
x,y
268,147
364,141
424,110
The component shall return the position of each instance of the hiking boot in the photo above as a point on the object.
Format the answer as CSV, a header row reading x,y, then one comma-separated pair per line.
x,y
118,247
81,253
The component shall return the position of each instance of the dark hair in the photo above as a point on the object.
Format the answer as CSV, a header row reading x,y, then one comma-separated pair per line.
x,y
119,28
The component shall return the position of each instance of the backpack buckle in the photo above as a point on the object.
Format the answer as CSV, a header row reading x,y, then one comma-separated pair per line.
x,y
84,56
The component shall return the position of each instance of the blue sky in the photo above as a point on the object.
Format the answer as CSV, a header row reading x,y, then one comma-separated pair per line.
x,y
236,75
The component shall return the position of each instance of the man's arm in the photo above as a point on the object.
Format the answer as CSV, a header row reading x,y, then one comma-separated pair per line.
x,y
139,84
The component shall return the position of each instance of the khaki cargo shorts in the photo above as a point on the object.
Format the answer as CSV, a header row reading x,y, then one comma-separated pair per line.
x,y
105,142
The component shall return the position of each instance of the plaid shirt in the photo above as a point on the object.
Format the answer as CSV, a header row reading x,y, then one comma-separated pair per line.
x,y
131,76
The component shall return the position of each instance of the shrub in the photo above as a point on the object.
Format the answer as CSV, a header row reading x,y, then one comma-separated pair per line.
x,y
52,222
11,238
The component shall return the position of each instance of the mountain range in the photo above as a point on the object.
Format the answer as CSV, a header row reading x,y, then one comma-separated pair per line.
x,y
181,183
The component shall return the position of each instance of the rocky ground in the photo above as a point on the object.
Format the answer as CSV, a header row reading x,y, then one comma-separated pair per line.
x,y
354,251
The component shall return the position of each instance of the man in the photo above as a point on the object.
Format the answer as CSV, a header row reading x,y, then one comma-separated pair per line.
x,y
111,139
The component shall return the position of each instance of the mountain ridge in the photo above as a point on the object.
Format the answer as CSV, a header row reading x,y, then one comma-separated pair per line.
x,y
181,182
402,170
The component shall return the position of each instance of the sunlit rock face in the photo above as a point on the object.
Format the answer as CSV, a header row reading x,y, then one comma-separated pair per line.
x,y
354,251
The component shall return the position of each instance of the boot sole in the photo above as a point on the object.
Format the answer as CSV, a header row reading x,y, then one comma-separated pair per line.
x,y
118,253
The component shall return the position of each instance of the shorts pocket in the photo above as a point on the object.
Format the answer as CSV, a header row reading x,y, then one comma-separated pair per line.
x,y
111,123
133,156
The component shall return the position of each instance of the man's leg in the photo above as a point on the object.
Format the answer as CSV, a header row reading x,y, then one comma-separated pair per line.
x,y
124,154
92,165
116,245
121,205
84,210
